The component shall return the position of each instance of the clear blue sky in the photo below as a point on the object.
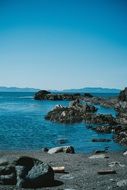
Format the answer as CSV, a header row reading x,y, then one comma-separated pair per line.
x,y
58,44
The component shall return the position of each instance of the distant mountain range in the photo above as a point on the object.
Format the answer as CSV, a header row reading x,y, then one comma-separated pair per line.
x,y
81,90
93,90
15,89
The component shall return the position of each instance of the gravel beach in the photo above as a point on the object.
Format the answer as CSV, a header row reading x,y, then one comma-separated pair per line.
x,y
81,170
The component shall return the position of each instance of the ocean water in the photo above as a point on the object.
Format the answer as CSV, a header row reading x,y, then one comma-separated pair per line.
x,y
23,127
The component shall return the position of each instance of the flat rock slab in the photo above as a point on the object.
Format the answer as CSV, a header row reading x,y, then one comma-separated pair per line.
x,y
98,156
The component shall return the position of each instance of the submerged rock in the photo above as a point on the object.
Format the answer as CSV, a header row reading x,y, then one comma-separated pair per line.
x,y
103,129
101,140
26,172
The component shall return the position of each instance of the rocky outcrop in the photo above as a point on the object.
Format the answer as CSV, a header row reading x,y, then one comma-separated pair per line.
x,y
120,135
123,95
121,107
40,95
99,119
77,112
46,95
103,129
72,114
26,172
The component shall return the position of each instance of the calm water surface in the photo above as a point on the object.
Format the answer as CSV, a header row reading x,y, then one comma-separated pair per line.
x,y
22,126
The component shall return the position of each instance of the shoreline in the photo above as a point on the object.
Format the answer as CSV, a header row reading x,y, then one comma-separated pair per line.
x,y
81,171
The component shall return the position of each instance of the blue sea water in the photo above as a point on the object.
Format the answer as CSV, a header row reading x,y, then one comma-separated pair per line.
x,y
23,127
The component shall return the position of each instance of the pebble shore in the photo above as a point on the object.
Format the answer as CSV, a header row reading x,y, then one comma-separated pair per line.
x,y
100,171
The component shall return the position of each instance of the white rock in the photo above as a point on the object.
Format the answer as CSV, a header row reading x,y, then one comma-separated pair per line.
x,y
125,153
122,183
96,156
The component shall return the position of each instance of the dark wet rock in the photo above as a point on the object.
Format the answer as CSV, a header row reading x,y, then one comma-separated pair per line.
x,y
26,172
78,112
64,115
100,119
65,149
122,113
101,140
88,95
109,103
41,94
72,114
103,129
123,95
121,107
7,174
121,136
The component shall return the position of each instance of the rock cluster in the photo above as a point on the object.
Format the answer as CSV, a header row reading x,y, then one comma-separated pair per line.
x,y
72,114
99,119
123,95
26,172
119,128
121,107
77,112
46,95
121,136
107,129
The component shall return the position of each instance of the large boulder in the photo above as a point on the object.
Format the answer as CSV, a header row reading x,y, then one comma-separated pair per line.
x,y
26,172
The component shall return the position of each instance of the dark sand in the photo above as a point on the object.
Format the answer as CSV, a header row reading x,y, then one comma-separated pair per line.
x,y
81,171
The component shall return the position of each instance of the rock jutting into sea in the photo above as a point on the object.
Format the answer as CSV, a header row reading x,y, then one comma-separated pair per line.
x,y
121,107
77,112
120,130
46,95
87,97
